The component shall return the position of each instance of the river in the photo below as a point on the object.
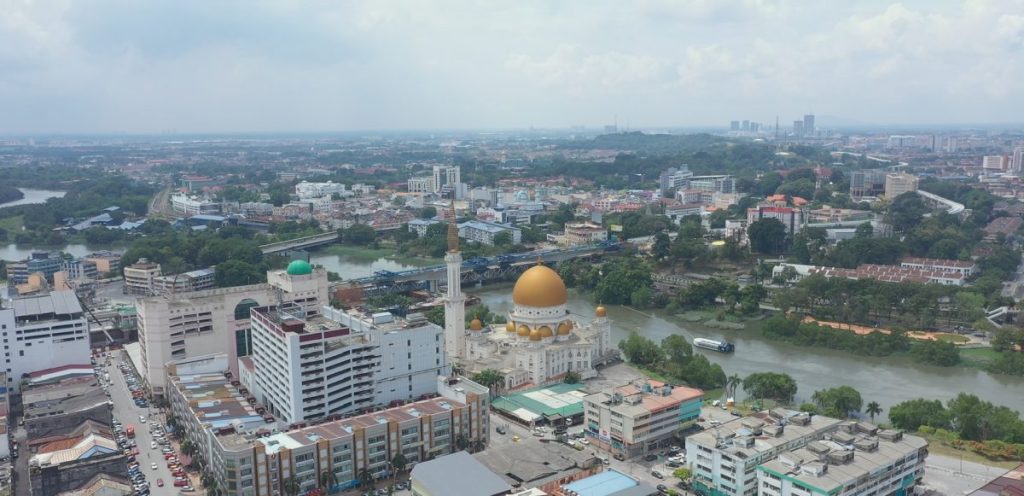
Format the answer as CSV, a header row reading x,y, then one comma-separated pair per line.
x,y
34,196
885,380
14,252
352,267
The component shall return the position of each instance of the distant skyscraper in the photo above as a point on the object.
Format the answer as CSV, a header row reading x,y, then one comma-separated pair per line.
x,y
746,125
798,128
1017,164
809,124
734,126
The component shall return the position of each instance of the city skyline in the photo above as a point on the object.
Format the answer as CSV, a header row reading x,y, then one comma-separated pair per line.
x,y
114,67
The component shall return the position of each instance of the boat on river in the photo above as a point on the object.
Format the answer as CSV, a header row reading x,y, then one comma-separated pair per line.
x,y
714,345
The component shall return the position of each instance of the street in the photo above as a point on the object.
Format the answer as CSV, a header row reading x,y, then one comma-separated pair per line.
x,y
127,413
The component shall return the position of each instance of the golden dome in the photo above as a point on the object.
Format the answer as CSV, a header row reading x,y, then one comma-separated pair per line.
x,y
535,334
545,332
565,328
510,326
523,330
540,286
601,311
476,325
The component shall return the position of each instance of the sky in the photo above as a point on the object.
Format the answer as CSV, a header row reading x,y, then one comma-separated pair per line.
x,y
155,66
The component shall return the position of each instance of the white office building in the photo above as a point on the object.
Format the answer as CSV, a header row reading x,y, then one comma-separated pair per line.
x,y
724,459
174,326
422,184
306,190
43,332
856,459
485,232
190,205
337,363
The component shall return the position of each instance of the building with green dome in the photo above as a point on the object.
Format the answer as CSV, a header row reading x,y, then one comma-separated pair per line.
x,y
299,268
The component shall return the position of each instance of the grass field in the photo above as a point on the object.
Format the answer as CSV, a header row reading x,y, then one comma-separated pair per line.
x,y
11,225
951,338
978,357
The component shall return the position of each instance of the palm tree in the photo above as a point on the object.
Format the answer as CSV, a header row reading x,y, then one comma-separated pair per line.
x,y
399,463
734,381
291,486
365,478
188,448
461,442
873,409
478,445
328,480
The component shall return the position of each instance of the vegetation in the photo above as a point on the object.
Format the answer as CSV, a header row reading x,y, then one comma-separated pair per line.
x,y
489,378
10,193
770,385
966,421
674,359
838,402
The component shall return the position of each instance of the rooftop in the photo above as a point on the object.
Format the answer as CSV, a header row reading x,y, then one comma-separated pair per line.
x,y
68,395
74,449
57,305
856,450
474,479
1009,484
534,463
307,436
646,397
218,403
610,483
748,436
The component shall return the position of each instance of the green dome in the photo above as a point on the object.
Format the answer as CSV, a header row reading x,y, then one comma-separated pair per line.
x,y
299,268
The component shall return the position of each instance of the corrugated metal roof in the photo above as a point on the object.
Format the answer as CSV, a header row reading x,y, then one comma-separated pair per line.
x,y
57,302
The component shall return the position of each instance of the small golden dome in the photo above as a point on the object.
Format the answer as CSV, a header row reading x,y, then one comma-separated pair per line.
x,y
535,334
565,328
510,326
540,286
545,332
476,325
601,311
523,330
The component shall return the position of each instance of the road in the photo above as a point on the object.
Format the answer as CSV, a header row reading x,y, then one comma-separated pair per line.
x,y
160,205
126,412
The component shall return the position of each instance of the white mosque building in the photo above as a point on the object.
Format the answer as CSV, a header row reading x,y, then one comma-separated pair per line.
x,y
541,342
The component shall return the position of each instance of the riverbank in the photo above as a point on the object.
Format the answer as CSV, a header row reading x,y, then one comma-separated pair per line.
x,y
939,445
359,254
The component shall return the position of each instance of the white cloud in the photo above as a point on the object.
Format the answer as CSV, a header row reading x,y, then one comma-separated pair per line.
x,y
121,65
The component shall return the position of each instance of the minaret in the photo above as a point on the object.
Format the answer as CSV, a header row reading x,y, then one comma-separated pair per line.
x,y
454,301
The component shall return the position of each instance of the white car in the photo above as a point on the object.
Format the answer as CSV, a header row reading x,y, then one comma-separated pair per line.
x,y
152,465
584,442
152,445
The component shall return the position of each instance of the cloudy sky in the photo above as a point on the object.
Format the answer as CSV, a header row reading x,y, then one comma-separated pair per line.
x,y
282,65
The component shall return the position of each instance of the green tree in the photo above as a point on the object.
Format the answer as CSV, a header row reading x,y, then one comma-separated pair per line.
x,y
683,474
731,384
906,211
572,377
677,348
840,402
328,480
358,234
662,245
912,414
238,273
291,486
770,385
489,378
399,463
872,409
767,236
427,213
641,351
365,479
938,353
504,238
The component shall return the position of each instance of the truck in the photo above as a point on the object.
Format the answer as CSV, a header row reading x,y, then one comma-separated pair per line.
x,y
130,431
711,344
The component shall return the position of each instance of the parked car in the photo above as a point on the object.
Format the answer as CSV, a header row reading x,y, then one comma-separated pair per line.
x,y
656,474
651,457
159,483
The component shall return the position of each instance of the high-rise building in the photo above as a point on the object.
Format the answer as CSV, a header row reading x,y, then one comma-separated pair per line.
x,y
809,124
993,163
897,183
43,332
1017,163
746,125
337,363
790,217
798,128
175,326
734,126
867,182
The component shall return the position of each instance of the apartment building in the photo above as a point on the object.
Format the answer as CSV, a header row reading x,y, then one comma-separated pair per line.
x,y
993,163
106,261
337,363
585,233
257,461
716,184
420,226
306,190
965,267
724,459
855,459
138,277
42,332
867,183
641,417
897,183
485,232
189,205
422,184
175,326
39,261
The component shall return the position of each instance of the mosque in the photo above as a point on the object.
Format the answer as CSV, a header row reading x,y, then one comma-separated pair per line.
x,y
540,343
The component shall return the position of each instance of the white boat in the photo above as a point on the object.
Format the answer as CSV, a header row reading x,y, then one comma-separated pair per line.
x,y
711,344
